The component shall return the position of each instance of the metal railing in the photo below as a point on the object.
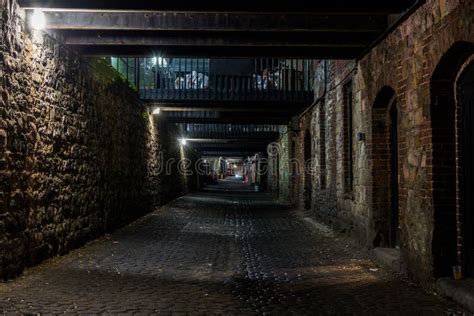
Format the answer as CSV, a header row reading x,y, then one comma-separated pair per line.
x,y
176,79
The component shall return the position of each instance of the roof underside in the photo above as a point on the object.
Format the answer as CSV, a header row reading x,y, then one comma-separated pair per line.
x,y
335,29
316,29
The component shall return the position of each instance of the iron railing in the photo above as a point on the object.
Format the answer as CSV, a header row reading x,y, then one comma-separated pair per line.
x,y
176,79
229,131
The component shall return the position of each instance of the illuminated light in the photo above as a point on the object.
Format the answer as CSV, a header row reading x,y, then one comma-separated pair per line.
x,y
38,20
183,142
160,61
156,111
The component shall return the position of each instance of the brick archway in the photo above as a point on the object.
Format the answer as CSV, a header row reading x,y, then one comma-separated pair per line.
x,y
445,128
385,169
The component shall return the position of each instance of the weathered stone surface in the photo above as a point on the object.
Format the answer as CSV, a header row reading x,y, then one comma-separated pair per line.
x,y
78,152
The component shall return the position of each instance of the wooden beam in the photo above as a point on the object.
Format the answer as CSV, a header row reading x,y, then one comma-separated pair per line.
x,y
217,153
226,106
329,52
333,6
217,39
214,22
233,147
231,136
230,141
229,120
231,108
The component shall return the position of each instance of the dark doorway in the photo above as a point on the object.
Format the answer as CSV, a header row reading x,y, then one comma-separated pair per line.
x,y
307,171
448,167
394,208
385,189
466,97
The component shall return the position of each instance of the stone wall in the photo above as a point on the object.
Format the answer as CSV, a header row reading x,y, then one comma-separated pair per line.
x,y
78,151
405,62
279,171
324,124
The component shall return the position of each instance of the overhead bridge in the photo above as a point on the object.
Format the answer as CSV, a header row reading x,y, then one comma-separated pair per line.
x,y
223,64
298,29
246,87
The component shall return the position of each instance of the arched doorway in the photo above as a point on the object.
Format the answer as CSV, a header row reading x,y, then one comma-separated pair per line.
x,y
465,97
308,186
451,129
385,144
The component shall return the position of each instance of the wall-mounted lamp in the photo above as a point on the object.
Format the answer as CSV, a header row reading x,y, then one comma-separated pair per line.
x,y
183,142
38,20
156,111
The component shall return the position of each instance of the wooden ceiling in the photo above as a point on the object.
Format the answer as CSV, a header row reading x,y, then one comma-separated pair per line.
x,y
334,29
317,29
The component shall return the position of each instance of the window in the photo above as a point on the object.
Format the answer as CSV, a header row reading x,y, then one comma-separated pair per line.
x,y
348,140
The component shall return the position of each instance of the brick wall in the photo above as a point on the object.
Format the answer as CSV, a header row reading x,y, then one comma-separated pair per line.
x,y
413,52
78,151
406,62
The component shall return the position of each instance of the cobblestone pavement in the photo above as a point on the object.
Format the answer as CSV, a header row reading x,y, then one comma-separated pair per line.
x,y
218,252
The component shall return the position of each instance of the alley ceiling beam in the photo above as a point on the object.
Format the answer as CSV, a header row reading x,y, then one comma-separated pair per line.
x,y
322,6
214,39
336,29
238,108
273,118
217,153
214,22
278,107
231,140
337,52
249,119
221,148
236,135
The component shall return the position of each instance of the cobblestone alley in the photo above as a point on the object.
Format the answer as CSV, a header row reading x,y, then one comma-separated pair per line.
x,y
218,251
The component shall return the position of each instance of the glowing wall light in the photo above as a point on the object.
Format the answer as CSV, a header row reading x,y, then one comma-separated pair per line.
x,y
156,111
38,20
183,141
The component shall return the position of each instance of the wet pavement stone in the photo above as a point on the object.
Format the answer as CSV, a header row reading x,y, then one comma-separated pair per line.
x,y
219,252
